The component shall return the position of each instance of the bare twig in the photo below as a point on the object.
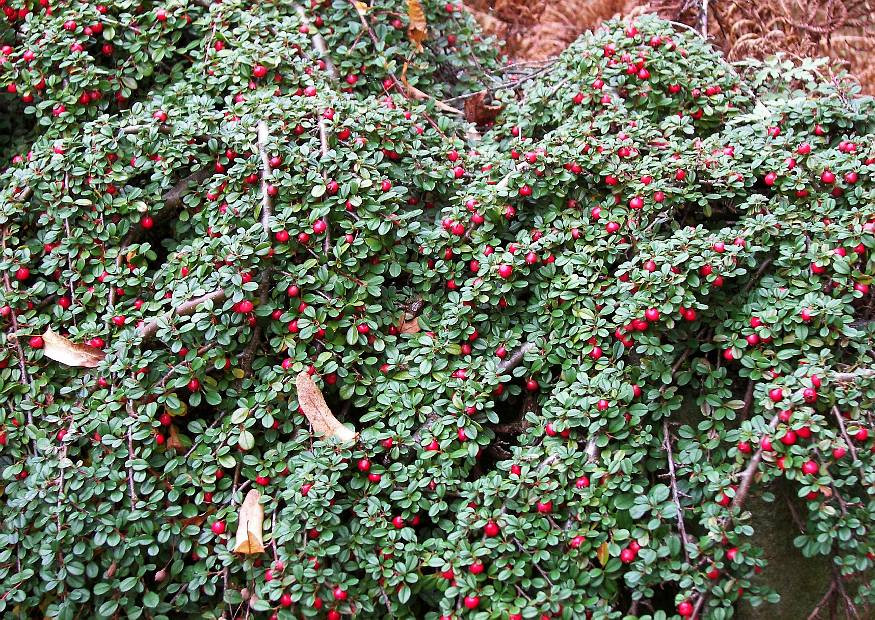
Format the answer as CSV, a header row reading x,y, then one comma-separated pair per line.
x,y
851,448
823,601
749,472
750,283
509,84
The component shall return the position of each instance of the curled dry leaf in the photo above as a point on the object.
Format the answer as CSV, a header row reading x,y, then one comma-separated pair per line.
x,y
417,31
476,111
69,353
250,519
317,411
408,323
603,554
417,94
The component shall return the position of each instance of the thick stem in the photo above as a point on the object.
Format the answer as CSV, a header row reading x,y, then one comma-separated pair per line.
x,y
266,212
318,43
516,358
850,377
172,199
148,330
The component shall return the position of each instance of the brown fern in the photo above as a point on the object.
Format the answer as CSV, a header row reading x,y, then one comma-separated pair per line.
x,y
844,30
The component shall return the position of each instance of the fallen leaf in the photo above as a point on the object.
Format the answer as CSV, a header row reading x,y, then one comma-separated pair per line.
x,y
250,519
417,31
602,553
478,112
409,326
317,411
195,520
69,353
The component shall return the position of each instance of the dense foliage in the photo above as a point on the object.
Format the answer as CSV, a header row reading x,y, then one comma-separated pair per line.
x,y
572,341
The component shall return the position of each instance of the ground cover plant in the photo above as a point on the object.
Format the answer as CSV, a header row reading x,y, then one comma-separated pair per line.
x,y
322,311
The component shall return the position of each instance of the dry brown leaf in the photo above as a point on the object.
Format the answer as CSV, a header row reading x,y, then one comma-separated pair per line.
x,y
173,441
316,409
409,327
417,31
478,112
250,520
69,353
602,553
195,520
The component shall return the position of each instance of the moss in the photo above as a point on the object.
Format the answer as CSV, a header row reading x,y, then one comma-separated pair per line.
x,y
800,581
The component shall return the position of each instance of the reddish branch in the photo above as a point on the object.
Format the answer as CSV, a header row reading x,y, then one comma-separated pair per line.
x,y
148,330
22,364
674,487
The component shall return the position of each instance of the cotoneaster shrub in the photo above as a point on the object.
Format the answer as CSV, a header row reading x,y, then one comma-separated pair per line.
x,y
572,345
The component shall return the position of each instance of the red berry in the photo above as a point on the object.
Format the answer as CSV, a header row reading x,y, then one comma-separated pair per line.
x,y
810,468
471,601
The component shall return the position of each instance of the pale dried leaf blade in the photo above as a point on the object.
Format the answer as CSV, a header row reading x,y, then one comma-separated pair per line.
x,y
417,31
69,353
250,521
361,8
317,411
